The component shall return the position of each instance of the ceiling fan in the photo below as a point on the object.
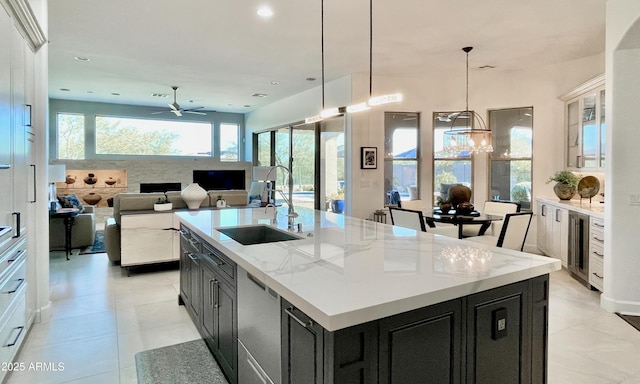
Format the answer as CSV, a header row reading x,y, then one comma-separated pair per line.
x,y
175,107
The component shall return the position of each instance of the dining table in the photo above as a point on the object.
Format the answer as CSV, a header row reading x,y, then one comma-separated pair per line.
x,y
459,220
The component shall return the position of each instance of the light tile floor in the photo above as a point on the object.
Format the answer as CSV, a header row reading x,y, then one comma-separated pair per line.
x,y
101,318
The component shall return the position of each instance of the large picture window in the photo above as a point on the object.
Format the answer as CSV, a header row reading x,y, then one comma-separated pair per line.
x,y
229,135
70,136
512,131
448,167
401,154
127,136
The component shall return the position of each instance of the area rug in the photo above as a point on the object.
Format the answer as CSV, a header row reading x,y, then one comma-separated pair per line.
x,y
634,321
98,244
189,362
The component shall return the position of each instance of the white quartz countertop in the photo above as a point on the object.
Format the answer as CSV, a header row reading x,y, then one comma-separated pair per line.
x,y
351,271
595,208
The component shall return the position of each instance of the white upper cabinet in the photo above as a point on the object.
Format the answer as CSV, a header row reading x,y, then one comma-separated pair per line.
x,y
585,126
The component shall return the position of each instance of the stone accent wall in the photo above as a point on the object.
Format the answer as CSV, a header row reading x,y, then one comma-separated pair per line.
x,y
158,170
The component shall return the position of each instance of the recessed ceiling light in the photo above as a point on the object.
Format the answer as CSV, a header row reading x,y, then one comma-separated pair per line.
x,y
259,95
265,12
65,89
311,79
82,58
231,105
163,95
115,93
88,91
275,83
247,106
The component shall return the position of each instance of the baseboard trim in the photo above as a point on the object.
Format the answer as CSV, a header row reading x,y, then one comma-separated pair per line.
x,y
43,314
620,306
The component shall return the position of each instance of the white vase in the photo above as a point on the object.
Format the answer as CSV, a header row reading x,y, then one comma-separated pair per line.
x,y
193,195
221,203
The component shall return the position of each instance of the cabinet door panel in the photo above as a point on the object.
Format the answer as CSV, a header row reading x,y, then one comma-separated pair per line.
x,y
492,357
302,348
422,346
225,307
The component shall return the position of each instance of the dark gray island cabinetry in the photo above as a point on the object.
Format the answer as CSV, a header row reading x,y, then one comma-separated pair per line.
x,y
352,301
497,336
208,291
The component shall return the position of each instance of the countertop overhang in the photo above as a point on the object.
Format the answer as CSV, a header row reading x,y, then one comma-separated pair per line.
x,y
346,271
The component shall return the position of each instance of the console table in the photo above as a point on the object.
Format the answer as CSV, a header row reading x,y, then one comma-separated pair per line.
x,y
69,217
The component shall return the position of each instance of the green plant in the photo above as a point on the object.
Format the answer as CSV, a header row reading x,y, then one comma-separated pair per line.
x,y
441,201
565,177
338,195
163,200
219,197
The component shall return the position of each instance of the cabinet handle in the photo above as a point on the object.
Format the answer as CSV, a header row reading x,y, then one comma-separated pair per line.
x,y
598,254
289,312
598,276
544,210
17,215
557,217
211,292
35,184
598,225
14,290
579,162
5,166
17,256
193,258
15,341
598,239
216,260
216,292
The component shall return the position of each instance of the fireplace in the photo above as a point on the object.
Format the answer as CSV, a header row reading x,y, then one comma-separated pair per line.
x,y
159,187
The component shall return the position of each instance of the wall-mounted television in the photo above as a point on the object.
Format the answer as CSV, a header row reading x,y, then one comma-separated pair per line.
x,y
220,179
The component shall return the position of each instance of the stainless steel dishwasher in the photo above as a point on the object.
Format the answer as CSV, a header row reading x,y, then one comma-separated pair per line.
x,y
258,332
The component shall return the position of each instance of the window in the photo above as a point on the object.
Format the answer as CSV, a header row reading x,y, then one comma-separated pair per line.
x,y
401,154
229,134
70,136
512,131
126,136
448,168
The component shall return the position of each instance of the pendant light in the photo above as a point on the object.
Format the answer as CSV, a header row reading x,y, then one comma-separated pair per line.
x,y
373,101
468,132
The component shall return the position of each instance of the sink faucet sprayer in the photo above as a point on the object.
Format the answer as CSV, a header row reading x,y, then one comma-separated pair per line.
x,y
291,215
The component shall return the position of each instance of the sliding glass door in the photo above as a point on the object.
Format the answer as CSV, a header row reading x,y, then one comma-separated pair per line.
x,y
315,155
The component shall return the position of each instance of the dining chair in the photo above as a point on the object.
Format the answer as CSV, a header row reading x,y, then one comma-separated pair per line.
x,y
494,208
407,218
513,233
414,219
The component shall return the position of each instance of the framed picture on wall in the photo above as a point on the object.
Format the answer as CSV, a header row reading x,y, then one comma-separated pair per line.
x,y
368,157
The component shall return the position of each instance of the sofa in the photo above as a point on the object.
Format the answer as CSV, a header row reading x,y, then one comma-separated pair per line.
x,y
83,231
144,202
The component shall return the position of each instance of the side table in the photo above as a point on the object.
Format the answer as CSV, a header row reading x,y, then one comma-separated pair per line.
x,y
69,217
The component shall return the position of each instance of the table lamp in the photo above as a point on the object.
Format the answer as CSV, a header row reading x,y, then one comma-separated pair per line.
x,y
260,184
57,173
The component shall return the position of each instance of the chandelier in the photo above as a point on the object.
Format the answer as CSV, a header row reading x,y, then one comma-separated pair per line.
x,y
468,133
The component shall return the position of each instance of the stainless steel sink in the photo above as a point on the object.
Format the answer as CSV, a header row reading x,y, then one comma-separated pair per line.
x,y
257,234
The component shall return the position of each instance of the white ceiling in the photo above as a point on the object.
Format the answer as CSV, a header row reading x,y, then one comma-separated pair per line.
x,y
220,53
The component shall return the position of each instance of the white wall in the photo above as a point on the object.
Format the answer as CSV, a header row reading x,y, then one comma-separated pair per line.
x,y
622,264
488,89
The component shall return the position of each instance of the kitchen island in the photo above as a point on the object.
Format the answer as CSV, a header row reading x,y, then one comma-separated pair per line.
x,y
362,301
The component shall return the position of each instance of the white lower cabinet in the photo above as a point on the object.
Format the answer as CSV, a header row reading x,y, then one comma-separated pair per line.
x,y
13,329
148,238
596,253
553,231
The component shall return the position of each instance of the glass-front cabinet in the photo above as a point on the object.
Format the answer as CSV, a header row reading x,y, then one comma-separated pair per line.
x,y
585,126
